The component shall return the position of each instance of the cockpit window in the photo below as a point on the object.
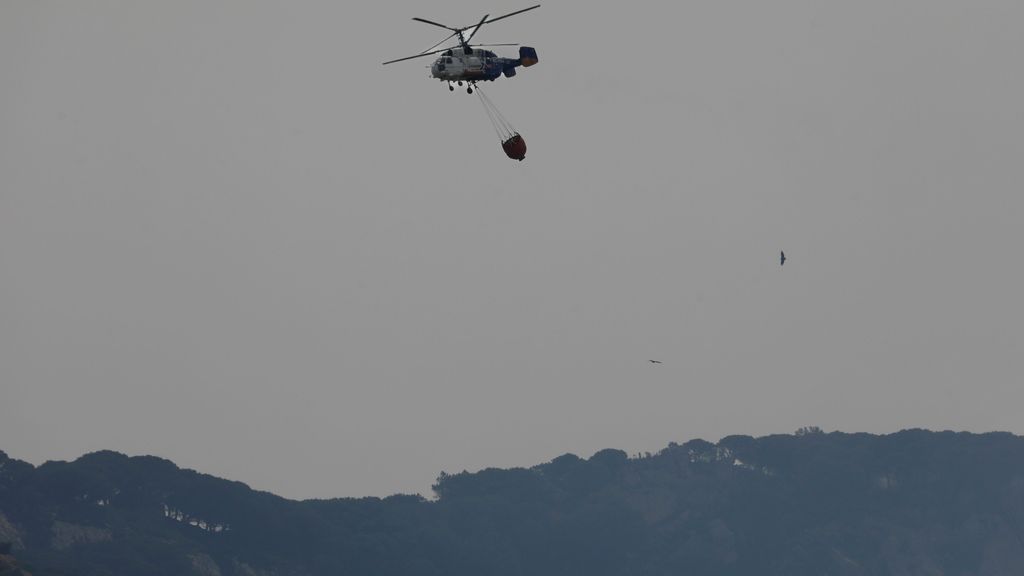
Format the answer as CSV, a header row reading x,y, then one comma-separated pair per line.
x,y
448,60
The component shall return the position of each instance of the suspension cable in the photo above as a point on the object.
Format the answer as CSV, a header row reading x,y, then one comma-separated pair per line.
x,y
508,125
490,116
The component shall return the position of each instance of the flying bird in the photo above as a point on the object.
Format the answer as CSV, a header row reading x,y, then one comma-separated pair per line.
x,y
782,258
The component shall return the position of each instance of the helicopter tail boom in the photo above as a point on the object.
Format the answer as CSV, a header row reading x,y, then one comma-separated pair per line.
x,y
527,57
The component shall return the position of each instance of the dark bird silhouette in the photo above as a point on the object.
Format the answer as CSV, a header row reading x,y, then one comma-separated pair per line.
x,y
782,258
655,361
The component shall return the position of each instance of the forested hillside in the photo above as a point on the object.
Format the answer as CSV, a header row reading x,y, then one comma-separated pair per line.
x,y
915,502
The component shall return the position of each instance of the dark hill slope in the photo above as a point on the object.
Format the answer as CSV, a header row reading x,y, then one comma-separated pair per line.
x,y
914,502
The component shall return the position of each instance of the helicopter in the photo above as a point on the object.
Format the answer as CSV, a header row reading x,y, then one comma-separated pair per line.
x,y
467,63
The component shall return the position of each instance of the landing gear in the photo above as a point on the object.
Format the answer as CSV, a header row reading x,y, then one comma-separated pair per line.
x,y
469,84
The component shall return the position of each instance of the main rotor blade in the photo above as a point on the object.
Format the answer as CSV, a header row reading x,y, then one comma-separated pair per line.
x,y
475,45
436,24
449,37
416,56
476,28
511,14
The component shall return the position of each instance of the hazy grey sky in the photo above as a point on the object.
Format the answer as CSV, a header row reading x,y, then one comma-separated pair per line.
x,y
230,237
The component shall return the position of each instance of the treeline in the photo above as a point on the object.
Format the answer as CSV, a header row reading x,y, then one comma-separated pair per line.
x,y
915,502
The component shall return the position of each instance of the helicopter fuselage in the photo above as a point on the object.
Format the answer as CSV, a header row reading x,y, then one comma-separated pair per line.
x,y
474,64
